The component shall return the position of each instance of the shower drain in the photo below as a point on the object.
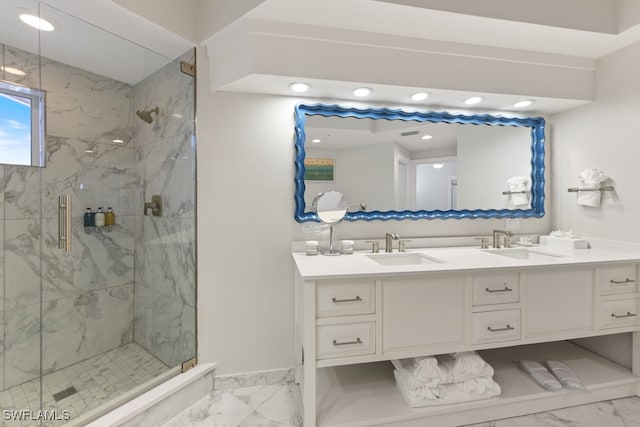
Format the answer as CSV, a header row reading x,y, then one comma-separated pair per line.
x,y
64,393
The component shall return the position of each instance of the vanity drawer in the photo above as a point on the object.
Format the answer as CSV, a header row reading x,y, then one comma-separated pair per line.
x,y
618,280
619,313
351,339
495,326
496,289
345,298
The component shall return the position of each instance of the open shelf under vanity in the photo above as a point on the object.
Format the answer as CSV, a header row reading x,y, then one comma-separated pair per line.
x,y
366,394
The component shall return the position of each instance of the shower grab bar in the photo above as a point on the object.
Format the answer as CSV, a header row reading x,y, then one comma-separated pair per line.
x,y
64,222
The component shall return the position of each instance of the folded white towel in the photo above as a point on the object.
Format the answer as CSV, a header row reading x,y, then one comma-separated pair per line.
x,y
432,371
564,374
474,389
540,374
517,185
590,179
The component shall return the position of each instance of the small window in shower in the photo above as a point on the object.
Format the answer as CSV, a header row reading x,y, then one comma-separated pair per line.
x,y
22,112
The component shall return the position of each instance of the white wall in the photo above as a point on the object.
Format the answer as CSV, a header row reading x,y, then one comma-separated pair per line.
x,y
508,153
246,225
372,164
602,135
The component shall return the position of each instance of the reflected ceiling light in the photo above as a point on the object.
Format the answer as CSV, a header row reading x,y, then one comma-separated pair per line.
x,y
362,91
299,87
316,141
36,22
522,104
473,100
118,141
425,137
13,71
438,165
419,96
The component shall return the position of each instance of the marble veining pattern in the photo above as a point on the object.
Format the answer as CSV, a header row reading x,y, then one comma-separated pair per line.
x,y
276,376
164,321
281,405
97,380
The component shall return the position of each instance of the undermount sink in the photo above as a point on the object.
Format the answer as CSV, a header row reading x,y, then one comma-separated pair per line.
x,y
403,259
524,253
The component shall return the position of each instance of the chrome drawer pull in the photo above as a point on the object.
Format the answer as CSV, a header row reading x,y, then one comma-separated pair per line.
x,y
357,341
621,316
506,328
357,298
506,289
619,282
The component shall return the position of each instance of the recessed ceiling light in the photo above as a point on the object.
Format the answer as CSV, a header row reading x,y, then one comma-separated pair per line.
x,y
299,87
438,165
362,91
522,104
473,100
419,96
36,22
316,141
13,71
425,137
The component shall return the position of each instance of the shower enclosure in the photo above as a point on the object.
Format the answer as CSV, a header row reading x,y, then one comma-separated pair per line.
x,y
86,328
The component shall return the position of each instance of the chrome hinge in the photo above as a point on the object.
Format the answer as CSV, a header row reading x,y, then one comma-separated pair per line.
x,y
188,364
187,68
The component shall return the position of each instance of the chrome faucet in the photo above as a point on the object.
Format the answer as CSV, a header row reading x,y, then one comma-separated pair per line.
x,y
389,238
496,238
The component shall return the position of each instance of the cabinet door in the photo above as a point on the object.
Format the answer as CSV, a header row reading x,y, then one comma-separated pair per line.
x,y
422,312
559,300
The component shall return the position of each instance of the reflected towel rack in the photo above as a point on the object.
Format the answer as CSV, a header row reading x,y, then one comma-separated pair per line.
x,y
505,193
575,190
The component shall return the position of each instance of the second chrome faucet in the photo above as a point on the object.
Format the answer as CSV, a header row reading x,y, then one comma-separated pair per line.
x,y
389,238
507,238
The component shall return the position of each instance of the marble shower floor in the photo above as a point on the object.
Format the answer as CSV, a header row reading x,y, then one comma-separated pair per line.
x,y
281,405
97,381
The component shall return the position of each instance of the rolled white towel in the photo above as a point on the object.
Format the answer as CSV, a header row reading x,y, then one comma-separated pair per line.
x,y
540,375
468,362
444,369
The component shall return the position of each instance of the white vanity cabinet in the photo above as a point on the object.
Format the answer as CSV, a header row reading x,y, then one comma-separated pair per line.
x,y
422,313
349,328
559,302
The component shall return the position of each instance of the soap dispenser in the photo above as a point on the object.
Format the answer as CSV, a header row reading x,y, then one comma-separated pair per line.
x,y
89,218
99,218
109,217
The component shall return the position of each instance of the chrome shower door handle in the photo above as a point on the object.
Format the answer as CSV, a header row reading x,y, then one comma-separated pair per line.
x,y
64,222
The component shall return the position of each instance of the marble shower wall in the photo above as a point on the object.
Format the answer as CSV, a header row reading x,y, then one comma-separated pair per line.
x,y
88,294
164,321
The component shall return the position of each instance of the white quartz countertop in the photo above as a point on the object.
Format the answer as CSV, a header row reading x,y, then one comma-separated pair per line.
x,y
453,259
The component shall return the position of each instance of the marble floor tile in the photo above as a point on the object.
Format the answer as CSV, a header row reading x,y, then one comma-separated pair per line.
x,y
281,406
96,380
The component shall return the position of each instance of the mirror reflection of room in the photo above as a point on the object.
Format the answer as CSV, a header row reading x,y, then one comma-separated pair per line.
x,y
408,165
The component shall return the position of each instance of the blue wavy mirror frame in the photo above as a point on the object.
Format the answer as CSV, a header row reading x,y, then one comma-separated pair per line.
x,y
537,125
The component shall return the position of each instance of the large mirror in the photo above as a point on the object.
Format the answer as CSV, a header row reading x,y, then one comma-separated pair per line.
x,y
394,164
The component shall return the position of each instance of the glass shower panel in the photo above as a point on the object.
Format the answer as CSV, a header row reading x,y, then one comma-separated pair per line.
x,y
21,249
118,310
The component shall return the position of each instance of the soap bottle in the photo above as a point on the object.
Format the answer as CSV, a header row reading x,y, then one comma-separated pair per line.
x,y
89,218
109,217
99,218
